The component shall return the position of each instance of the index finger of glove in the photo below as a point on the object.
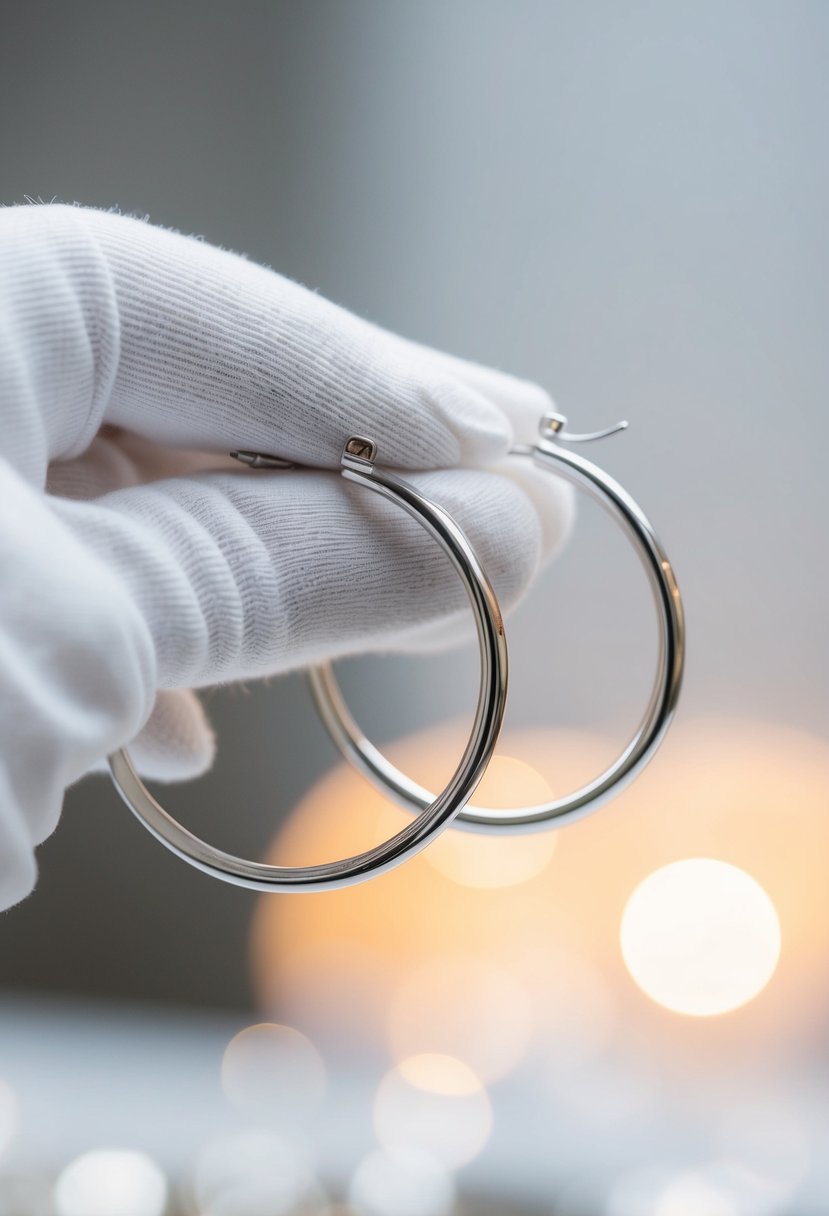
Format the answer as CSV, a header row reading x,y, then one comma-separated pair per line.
x,y
192,346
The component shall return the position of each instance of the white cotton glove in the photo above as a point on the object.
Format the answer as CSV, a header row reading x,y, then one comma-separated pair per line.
x,y
140,563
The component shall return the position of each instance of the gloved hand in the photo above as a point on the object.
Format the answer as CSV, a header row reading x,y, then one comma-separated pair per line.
x,y
140,563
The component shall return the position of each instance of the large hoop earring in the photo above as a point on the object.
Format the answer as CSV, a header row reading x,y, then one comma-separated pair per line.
x,y
548,454
358,465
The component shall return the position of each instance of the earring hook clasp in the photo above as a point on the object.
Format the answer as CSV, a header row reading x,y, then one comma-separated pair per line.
x,y
553,426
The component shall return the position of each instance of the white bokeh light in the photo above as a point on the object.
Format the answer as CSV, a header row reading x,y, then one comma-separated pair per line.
x,y
693,1194
720,1187
273,1072
256,1173
700,937
401,1182
111,1182
435,1104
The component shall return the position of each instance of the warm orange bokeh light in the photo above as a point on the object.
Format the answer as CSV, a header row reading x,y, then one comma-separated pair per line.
x,y
748,794
439,1074
477,860
345,953
462,1006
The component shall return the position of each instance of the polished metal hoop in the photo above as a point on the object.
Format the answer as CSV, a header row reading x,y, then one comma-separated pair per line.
x,y
358,465
548,454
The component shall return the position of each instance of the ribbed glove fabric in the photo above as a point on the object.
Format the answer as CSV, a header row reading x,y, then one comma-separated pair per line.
x,y
138,562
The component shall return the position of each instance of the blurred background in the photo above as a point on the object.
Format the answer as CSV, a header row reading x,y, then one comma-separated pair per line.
x,y
627,203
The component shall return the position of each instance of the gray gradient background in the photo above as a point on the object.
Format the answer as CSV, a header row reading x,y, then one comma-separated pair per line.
x,y
624,201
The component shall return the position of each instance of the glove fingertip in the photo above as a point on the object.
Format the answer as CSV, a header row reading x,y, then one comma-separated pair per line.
x,y
18,867
178,742
480,433
552,499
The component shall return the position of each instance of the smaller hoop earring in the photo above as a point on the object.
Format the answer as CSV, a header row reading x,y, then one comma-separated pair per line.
x,y
358,465
548,454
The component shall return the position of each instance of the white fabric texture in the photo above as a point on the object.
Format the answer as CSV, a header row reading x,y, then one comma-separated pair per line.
x,y
140,563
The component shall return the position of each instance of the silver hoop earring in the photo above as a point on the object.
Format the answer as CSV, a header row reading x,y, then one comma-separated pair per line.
x,y
548,454
358,465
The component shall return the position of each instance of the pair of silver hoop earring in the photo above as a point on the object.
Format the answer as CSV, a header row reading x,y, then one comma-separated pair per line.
x,y
433,814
